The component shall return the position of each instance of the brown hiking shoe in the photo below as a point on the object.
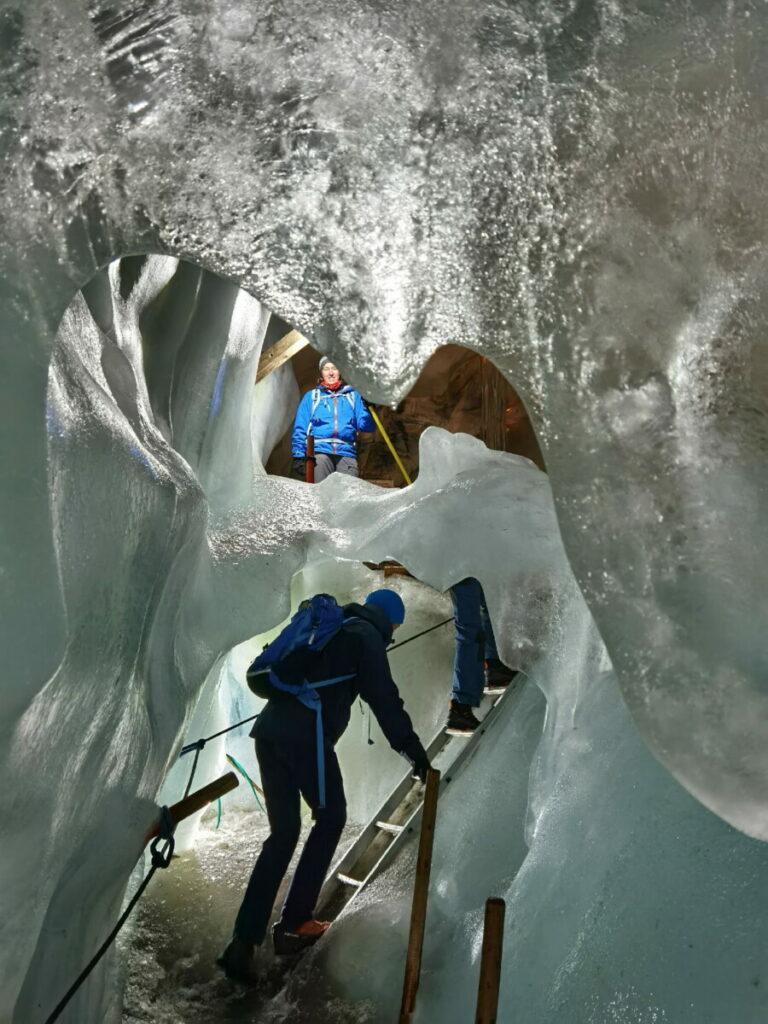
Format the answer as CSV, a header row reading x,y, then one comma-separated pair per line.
x,y
289,943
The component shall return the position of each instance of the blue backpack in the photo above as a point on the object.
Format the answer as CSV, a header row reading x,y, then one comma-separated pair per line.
x,y
282,666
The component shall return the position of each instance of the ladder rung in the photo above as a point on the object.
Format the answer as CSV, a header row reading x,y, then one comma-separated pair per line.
x,y
348,880
387,826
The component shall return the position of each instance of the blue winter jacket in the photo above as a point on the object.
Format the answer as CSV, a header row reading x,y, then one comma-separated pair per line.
x,y
334,418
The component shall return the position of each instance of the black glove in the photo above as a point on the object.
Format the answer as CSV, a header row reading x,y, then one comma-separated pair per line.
x,y
299,467
421,766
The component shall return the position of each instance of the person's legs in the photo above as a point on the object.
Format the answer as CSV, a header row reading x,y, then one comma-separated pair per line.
x,y
324,466
497,674
491,653
322,841
468,678
347,465
281,796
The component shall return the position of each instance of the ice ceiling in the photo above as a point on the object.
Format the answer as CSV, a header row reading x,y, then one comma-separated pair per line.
x,y
574,188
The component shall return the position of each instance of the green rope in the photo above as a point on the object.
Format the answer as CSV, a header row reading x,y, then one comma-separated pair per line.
x,y
218,812
244,773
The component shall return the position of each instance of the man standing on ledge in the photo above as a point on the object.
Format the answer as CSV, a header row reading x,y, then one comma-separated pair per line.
x,y
286,749
332,412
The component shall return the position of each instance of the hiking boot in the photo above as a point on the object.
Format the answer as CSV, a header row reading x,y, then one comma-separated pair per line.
x,y
237,960
288,943
461,721
497,676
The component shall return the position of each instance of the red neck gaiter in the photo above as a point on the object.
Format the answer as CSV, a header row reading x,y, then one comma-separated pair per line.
x,y
333,387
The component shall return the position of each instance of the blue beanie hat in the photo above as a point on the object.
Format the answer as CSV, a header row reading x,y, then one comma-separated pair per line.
x,y
390,603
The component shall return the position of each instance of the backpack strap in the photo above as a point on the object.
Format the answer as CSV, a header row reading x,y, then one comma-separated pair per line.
x,y
307,695
316,399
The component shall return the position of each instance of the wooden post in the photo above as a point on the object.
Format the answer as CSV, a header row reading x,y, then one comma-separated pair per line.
x,y
490,962
310,463
420,893
195,801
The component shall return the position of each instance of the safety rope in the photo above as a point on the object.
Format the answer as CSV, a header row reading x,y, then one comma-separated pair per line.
x,y
389,445
161,858
417,635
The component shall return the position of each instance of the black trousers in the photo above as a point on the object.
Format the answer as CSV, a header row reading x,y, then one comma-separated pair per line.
x,y
288,771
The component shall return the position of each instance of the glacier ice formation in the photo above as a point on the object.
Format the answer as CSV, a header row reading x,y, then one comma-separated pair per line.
x,y
573,189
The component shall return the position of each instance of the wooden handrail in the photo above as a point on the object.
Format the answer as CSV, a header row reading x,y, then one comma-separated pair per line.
x,y
490,962
420,894
197,800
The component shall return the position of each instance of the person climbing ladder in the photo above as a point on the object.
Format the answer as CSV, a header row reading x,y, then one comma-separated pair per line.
x,y
476,663
352,663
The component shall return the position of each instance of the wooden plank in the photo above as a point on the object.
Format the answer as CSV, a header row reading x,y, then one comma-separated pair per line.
x,y
279,353
190,804
348,880
387,826
420,897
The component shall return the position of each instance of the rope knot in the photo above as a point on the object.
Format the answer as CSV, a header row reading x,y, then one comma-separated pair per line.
x,y
162,858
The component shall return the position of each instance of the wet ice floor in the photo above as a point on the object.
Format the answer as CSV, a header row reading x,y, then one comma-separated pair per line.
x,y
183,923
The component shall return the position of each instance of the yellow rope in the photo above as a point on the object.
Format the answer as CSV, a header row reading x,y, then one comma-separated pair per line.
x,y
389,444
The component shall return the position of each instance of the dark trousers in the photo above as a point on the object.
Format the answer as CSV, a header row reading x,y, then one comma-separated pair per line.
x,y
288,771
474,641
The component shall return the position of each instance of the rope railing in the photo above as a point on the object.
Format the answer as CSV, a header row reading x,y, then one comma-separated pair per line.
x,y
161,851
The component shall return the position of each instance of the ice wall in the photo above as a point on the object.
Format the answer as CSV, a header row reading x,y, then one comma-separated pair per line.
x,y
627,902
537,181
576,190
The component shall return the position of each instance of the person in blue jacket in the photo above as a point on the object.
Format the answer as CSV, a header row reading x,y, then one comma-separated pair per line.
x,y
332,412
286,749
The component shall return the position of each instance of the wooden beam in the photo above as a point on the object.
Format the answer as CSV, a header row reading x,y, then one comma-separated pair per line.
x,y
279,353
490,962
420,894
196,801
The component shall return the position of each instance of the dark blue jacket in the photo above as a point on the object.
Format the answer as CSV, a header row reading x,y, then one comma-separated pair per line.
x,y
359,650
334,417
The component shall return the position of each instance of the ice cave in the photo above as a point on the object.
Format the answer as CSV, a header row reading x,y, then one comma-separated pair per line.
x,y
561,197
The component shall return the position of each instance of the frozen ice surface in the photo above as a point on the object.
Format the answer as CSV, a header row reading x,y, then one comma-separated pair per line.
x,y
574,190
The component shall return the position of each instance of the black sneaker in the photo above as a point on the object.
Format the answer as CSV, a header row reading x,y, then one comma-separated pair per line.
x,y
461,721
497,676
237,960
289,943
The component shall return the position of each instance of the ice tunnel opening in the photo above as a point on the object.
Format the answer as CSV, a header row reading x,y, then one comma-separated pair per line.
x,y
173,580
176,350
174,609
136,389
180,330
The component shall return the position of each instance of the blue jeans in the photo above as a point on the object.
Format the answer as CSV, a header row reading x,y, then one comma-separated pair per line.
x,y
474,641
288,771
